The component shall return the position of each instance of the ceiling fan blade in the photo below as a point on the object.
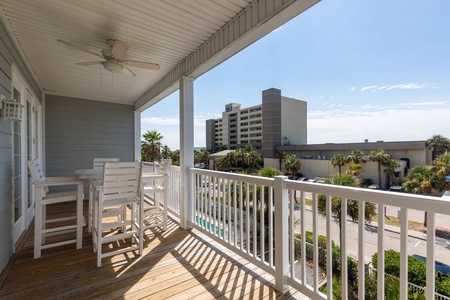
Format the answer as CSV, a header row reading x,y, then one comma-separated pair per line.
x,y
78,47
127,72
141,64
119,49
89,63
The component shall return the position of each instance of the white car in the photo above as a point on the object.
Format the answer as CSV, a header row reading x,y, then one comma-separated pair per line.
x,y
446,196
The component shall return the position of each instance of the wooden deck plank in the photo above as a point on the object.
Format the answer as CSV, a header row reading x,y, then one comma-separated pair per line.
x,y
176,264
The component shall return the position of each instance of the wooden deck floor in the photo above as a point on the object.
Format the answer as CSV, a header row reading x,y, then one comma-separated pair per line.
x,y
176,264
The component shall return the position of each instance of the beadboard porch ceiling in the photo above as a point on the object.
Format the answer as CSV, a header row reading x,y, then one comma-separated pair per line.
x,y
166,32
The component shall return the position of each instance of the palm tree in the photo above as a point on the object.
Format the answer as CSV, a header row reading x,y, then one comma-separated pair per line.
x,y
357,157
352,205
442,165
292,164
390,165
379,156
204,157
252,159
175,156
425,181
438,144
165,151
280,155
339,160
240,153
354,169
232,158
222,164
151,144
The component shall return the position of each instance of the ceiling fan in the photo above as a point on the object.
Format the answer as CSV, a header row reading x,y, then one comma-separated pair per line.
x,y
113,58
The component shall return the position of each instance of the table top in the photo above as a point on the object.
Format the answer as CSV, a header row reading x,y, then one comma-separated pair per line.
x,y
96,173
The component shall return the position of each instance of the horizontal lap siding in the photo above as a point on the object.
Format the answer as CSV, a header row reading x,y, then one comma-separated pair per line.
x,y
78,130
6,238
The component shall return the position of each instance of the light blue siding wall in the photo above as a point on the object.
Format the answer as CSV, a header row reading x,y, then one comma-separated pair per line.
x,y
78,130
8,57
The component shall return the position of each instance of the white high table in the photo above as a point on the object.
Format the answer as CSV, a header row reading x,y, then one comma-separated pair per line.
x,y
90,174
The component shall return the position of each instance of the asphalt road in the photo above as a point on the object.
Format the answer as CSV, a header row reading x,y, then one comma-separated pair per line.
x,y
391,239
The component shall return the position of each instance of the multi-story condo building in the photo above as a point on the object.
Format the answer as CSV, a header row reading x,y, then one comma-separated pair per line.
x,y
278,120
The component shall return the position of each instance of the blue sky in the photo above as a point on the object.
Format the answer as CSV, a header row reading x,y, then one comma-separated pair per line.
x,y
377,70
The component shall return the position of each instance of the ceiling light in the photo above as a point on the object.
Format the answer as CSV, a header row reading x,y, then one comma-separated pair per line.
x,y
112,66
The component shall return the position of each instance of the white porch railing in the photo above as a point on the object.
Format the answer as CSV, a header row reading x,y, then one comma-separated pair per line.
x,y
228,208
173,205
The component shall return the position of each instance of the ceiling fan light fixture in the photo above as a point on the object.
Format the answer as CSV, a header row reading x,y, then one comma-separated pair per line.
x,y
112,66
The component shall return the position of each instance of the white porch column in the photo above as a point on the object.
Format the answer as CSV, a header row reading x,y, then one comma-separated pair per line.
x,y
281,235
137,136
186,148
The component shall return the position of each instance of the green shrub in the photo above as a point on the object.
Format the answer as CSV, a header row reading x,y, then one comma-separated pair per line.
x,y
416,271
270,172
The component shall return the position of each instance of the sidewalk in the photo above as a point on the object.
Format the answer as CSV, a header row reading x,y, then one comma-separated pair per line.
x,y
395,229
411,233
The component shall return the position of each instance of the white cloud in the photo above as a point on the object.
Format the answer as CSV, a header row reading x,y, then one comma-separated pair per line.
x,y
426,103
353,89
341,126
402,86
160,121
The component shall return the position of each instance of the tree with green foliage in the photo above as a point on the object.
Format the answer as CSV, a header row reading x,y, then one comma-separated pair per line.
x,y
336,202
270,172
357,157
253,159
439,145
429,180
339,160
390,166
165,151
280,155
292,164
379,156
232,158
354,169
150,145
175,156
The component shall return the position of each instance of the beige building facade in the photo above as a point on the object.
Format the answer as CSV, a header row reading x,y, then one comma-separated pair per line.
x,y
277,121
316,158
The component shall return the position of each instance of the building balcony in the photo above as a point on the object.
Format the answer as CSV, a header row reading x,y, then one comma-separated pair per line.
x,y
235,251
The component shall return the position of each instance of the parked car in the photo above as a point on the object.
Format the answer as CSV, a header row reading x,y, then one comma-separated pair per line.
x,y
446,195
375,187
302,179
397,188
440,267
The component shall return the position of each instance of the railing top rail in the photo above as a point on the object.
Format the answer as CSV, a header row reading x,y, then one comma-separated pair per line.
x,y
233,176
411,201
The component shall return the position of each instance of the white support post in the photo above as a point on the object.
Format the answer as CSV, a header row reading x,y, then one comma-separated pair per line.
x,y
186,149
281,234
137,136
431,253
404,254
380,266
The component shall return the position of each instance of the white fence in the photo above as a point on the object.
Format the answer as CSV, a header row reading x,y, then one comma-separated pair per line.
x,y
173,189
257,217
228,207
